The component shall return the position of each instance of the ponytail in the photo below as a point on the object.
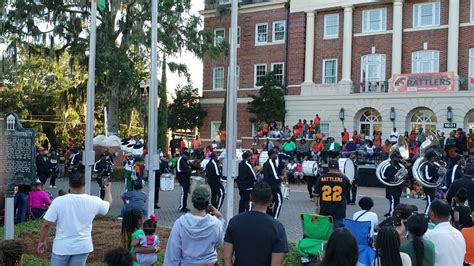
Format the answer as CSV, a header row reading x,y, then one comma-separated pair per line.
x,y
419,248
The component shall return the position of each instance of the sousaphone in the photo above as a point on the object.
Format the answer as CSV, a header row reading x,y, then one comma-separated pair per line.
x,y
401,147
431,143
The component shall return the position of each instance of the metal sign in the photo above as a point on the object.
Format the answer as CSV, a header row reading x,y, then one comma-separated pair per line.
x,y
449,125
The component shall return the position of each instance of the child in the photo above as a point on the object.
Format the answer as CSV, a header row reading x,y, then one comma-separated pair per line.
x,y
299,172
132,224
148,240
461,217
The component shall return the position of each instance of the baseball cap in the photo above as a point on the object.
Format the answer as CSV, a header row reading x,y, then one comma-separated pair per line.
x,y
469,170
201,194
333,164
37,182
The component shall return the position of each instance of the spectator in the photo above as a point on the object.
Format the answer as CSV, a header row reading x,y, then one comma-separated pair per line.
x,y
377,139
345,136
118,257
317,123
11,253
317,148
132,224
464,182
311,128
291,170
289,147
305,128
148,240
356,137
405,209
302,152
461,214
388,249
73,214
366,204
412,138
386,149
369,151
421,251
196,146
394,136
263,243
196,236
135,199
341,250
449,242
21,203
268,145
332,148
39,200
42,165
350,147
420,137
319,134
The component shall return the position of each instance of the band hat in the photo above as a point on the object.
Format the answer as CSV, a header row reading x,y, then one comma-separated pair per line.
x,y
333,164
201,194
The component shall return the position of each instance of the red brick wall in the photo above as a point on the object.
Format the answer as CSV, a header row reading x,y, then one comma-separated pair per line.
x,y
214,111
296,50
248,53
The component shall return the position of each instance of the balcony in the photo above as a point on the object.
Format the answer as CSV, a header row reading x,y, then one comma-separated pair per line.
x,y
370,87
214,4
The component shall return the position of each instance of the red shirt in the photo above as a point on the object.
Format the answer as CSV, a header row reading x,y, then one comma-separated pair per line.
x,y
317,147
345,136
317,120
356,138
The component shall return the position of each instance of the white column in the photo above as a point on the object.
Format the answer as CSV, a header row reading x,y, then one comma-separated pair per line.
x,y
309,48
453,36
397,37
347,45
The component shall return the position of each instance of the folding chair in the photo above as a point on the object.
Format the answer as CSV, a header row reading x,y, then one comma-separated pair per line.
x,y
468,234
361,232
316,232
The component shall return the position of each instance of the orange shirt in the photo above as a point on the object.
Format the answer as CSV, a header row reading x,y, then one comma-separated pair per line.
x,y
356,138
317,120
345,136
265,127
317,147
223,134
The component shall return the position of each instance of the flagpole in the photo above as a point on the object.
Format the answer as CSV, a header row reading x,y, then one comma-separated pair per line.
x,y
89,155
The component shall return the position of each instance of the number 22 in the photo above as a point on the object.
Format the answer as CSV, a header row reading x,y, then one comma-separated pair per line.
x,y
331,193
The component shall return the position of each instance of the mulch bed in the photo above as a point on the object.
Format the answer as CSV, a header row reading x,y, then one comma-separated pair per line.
x,y
105,236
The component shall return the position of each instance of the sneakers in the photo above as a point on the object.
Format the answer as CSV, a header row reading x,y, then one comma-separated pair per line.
x,y
50,186
157,207
184,210
54,186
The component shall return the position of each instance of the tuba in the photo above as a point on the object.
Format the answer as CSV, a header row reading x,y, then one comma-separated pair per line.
x,y
401,175
431,143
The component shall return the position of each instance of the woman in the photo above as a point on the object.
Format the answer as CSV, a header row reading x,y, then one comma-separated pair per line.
x,y
11,253
341,249
421,251
39,200
366,204
135,199
388,249
302,152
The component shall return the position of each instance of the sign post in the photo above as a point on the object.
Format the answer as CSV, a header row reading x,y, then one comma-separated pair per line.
x,y
18,166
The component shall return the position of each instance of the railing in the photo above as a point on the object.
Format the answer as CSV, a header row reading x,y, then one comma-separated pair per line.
x,y
371,87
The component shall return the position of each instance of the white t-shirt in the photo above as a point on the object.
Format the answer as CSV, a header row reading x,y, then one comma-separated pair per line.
x,y
394,136
368,216
73,215
449,243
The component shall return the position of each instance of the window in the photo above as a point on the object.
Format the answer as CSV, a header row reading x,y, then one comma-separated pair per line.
x,y
471,68
324,127
238,36
329,71
278,70
372,72
260,71
426,15
370,121
261,31
219,36
472,11
425,61
215,130
278,31
423,118
374,20
331,26
218,78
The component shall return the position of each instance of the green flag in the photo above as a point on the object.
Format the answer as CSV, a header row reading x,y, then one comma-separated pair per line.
x,y
101,5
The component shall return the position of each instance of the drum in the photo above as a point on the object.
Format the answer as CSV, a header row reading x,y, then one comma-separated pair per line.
x,y
196,181
166,182
346,166
204,163
310,168
263,158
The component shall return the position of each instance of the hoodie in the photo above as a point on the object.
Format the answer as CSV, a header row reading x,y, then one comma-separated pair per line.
x,y
193,240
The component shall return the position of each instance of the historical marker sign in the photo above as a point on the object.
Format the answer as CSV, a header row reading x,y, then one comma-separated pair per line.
x,y
20,152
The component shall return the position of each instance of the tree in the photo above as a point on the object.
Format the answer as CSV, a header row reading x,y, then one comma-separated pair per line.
x,y
163,110
186,111
270,103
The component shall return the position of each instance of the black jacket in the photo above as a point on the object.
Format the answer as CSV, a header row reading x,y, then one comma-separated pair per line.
x,y
213,173
103,168
453,174
270,174
183,170
465,182
42,165
247,177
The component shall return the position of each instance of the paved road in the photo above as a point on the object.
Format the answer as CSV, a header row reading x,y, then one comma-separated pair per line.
x,y
292,208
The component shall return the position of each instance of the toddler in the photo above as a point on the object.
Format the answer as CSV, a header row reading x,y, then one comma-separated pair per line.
x,y
148,240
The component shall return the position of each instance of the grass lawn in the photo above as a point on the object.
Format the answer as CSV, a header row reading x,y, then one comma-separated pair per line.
x,y
105,236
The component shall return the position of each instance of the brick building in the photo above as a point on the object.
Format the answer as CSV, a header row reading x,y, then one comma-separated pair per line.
x,y
386,63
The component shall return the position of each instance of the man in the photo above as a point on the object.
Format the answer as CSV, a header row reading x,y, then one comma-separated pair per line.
x,y
420,137
245,181
461,140
263,242
352,200
103,169
42,165
455,172
332,148
196,146
345,136
196,236
317,123
330,194
213,175
392,193
183,173
350,147
268,145
431,174
394,136
464,182
356,137
75,161
272,177
289,147
73,214
449,243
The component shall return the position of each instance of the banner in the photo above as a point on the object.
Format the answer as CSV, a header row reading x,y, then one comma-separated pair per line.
x,y
424,82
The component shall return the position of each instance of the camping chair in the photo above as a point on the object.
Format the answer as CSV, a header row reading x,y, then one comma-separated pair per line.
x,y
316,232
361,232
468,234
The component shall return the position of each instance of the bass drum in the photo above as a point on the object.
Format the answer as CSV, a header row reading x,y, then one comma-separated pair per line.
x,y
263,158
310,168
346,166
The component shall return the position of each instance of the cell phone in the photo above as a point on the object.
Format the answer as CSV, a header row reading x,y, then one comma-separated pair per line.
x,y
209,209
397,218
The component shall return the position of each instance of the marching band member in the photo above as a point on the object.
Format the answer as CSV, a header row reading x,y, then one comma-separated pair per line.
x,y
431,174
271,176
245,181
213,174
389,173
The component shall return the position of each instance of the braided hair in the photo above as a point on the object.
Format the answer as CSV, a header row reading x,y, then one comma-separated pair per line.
x,y
131,222
388,247
417,226
11,252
